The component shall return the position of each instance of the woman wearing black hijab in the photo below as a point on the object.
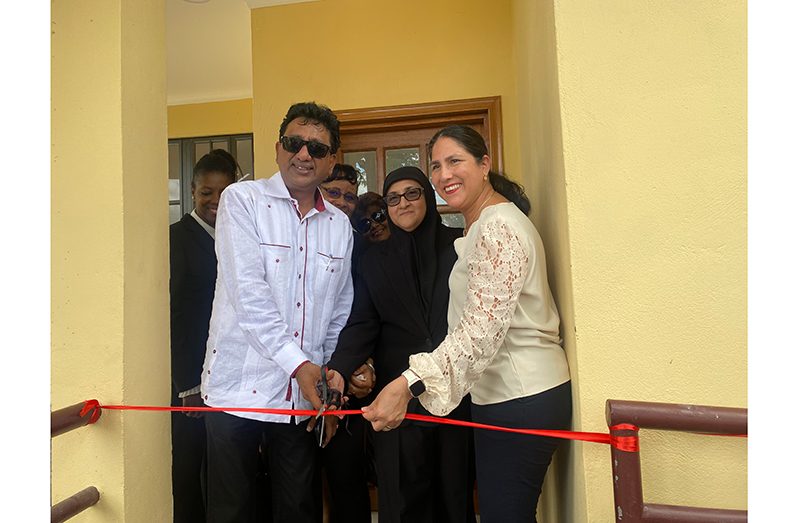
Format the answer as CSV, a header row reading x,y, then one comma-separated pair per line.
x,y
400,308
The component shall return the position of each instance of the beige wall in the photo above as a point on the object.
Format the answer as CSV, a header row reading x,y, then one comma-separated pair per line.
x,y
543,171
210,118
380,52
109,257
651,178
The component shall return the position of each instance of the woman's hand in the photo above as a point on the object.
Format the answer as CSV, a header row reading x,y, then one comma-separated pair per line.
x,y
361,382
389,408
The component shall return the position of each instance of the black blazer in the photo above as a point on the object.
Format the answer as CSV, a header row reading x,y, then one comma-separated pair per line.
x,y
387,321
192,281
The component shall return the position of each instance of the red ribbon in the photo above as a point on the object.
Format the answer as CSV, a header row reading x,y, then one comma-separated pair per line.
x,y
92,406
625,443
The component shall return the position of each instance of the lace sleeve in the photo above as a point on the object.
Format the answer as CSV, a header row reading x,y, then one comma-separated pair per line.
x,y
497,268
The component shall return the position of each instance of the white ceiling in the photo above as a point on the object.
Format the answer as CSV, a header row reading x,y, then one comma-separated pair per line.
x,y
209,49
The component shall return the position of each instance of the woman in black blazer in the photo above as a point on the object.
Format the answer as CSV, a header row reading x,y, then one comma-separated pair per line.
x,y
400,307
192,279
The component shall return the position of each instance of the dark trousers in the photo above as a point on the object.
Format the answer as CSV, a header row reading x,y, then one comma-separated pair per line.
x,y
188,468
233,468
344,461
511,467
423,474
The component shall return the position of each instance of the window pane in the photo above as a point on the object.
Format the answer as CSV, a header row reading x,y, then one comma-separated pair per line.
x,y
365,162
174,191
200,150
245,158
174,213
220,144
453,220
174,161
395,158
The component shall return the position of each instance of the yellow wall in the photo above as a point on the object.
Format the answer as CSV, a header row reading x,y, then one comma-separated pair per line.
x,y
380,52
652,101
543,177
109,256
210,119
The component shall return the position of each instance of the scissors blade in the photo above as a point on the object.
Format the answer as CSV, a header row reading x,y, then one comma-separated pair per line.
x,y
324,394
320,424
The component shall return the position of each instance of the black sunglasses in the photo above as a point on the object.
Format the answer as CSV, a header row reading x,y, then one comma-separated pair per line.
x,y
293,144
363,225
411,195
337,193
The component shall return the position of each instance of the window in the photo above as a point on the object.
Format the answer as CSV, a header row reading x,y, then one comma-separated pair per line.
x,y
378,140
184,154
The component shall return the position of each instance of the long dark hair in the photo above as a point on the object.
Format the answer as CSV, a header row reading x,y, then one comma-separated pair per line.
x,y
472,141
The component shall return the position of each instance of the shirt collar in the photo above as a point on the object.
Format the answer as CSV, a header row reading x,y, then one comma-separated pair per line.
x,y
210,230
275,186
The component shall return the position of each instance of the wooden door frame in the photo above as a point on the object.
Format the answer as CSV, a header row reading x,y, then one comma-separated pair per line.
x,y
486,111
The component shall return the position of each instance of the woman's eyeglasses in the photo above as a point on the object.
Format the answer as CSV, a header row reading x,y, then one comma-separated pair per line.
x,y
363,225
294,144
411,195
332,192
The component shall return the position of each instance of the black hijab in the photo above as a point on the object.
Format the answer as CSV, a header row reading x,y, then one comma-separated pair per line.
x,y
421,243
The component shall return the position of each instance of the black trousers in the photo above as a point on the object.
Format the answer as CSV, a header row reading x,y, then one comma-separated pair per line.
x,y
511,467
424,474
345,466
188,468
233,468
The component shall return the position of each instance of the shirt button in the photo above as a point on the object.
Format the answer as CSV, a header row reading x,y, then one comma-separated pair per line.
x,y
296,334
269,206
214,351
209,371
298,304
301,249
254,392
277,260
300,276
332,270
206,396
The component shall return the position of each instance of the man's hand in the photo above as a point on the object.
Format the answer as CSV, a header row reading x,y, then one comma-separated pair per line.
x,y
362,381
389,408
335,380
307,377
193,400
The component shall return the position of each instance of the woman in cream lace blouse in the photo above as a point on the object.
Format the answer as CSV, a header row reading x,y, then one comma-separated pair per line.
x,y
503,344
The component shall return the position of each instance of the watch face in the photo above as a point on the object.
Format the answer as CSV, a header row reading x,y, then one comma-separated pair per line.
x,y
417,388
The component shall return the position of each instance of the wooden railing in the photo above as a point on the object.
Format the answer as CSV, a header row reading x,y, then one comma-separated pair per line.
x,y
627,480
63,421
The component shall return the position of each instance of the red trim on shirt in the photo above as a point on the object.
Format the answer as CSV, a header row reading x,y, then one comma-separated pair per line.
x,y
319,204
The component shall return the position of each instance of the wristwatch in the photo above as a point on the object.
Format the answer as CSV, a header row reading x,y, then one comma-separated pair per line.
x,y
414,383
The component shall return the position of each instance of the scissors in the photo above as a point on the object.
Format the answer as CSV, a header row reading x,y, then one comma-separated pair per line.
x,y
329,398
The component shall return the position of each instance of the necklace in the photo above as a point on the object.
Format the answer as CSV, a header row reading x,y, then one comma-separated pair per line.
x,y
485,201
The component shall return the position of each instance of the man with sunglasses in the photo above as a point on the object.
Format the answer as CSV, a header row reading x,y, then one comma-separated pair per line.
x,y
283,294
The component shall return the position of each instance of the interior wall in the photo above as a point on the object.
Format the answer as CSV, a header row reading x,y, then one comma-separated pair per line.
x,y
109,253
210,119
653,109
373,53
